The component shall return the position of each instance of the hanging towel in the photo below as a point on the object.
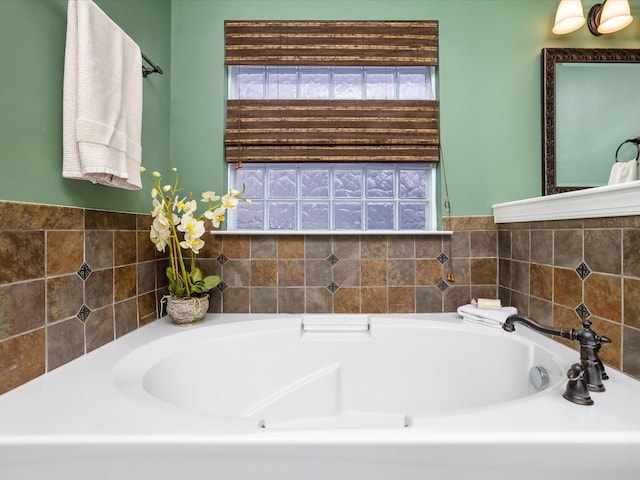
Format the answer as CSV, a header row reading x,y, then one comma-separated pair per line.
x,y
623,172
102,100
492,318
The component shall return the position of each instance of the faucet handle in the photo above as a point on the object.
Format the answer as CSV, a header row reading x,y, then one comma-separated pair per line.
x,y
576,390
602,340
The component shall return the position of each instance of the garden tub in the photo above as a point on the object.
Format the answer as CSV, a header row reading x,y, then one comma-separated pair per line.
x,y
317,397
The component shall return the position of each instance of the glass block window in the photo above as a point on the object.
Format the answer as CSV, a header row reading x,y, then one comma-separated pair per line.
x,y
324,83
355,197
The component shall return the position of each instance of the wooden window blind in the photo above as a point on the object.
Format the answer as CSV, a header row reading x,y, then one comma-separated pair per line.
x,y
332,130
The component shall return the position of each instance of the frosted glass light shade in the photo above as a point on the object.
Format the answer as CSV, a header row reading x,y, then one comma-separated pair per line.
x,y
614,16
569,17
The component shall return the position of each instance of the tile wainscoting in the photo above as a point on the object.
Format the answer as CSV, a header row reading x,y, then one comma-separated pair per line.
x,y
354,273
71,280
74,279
558,272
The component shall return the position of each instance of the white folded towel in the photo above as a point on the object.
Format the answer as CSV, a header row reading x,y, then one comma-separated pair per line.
x,y
623,172
492,318
102,100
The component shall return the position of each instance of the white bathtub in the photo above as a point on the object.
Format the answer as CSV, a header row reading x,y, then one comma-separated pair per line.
x,y
311,397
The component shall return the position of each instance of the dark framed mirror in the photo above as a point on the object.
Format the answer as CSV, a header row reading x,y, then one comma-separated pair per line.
x,y
591,104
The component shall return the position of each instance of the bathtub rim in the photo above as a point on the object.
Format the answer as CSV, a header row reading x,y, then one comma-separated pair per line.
x,y
39,412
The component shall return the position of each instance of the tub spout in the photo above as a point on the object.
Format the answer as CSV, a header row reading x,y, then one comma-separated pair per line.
x,y
509,326
590,344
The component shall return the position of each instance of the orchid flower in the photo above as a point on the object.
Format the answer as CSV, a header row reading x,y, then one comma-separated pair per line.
x,y
176,225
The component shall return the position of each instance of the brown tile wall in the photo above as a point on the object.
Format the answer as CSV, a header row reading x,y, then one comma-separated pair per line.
x,y
352,273
556,272
72,280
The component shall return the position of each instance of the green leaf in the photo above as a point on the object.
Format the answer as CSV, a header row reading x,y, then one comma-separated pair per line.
x,y
171,275
177,287
196,274
210,282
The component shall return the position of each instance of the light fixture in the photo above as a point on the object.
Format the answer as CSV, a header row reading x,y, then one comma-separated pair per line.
x,y
609,17
606,17
569,17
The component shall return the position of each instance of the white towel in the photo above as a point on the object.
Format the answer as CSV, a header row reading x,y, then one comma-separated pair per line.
x,y
623,172
102,100
492,318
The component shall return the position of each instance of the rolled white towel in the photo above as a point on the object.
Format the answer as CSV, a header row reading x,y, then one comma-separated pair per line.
x,y
492,318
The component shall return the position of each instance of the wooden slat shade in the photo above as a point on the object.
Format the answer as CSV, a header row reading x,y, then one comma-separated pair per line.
x,y
334,43
332,130
337,154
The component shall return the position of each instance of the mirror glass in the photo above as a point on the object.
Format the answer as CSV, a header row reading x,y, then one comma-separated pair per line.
x,y
591,106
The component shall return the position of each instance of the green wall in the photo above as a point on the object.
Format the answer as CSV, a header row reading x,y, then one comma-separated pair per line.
x,y
490,90
32,38
490,83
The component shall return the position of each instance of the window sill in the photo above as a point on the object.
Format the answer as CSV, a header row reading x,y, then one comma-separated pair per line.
x,y
334,232
608,201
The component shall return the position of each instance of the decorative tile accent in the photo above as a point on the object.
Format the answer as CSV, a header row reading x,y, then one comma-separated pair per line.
x,y
442,258
332,287
333,259
222,286
583,311
222,259
84,271
83,313
442,286
583,270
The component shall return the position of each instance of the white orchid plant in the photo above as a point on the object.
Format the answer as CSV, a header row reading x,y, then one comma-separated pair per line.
x,y
176,225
